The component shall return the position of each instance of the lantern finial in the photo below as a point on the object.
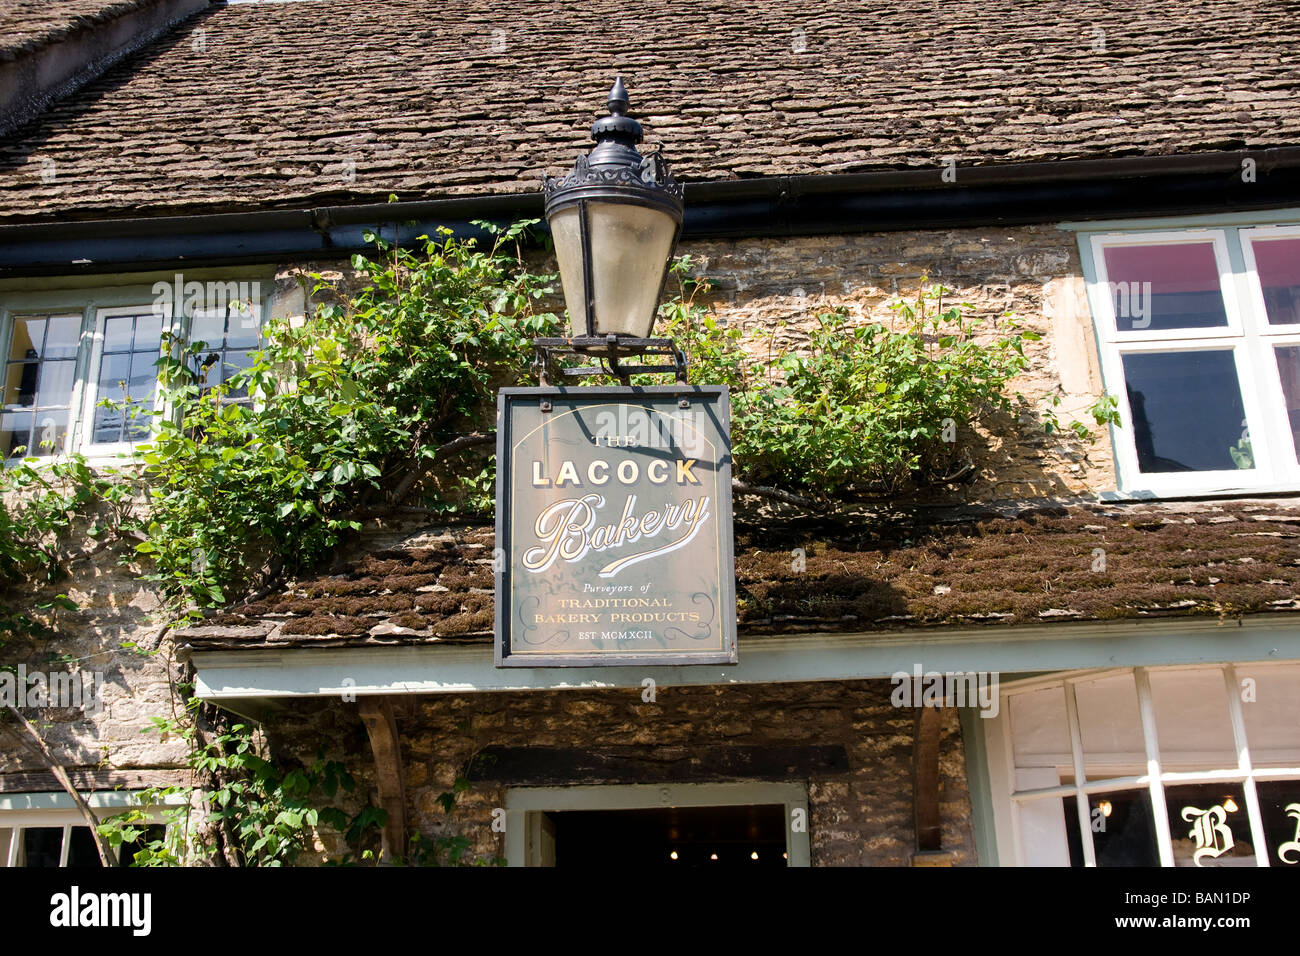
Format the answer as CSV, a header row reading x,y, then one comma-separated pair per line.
x,y
618,101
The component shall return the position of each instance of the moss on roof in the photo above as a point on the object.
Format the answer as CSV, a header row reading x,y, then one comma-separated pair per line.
x,y
853,574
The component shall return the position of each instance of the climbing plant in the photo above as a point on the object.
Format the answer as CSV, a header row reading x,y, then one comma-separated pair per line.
x,y
345,415
856,407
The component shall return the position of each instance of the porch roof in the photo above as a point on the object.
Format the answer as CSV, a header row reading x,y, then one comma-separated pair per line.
x,y
798,574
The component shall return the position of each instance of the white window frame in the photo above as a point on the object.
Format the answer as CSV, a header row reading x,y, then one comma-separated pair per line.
x,y
1247,335
1255,290
8,325
31,811
95,301
1007,799
90,382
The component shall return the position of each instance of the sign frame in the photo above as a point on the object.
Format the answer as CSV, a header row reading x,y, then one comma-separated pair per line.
x,y
719,397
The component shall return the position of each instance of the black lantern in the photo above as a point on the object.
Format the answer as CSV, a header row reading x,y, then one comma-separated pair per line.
x,y
615,220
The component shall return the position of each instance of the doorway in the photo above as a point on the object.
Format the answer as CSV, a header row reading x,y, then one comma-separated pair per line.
x,y
676,825
682,837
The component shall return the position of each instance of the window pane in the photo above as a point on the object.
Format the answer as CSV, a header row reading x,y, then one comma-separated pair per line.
x,y
1039,733
138,423
29,336
1278,264
1192,722
242,330
1187,411
1044,832
208,327
51,432
1123,832
63,338
1271,708
1288,370
15,431
1279,803
148,333
114,372
210,363
56,379
20,383
1110,726
42,846
1209,826
118,333
108,425
144,375
82,851
1171,286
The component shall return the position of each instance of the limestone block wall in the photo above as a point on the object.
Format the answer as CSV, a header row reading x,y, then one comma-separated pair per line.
x,y
1032,272
106,745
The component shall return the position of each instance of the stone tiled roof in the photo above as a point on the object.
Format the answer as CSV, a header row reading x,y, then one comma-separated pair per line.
x,y
26,24
330,101
1083,562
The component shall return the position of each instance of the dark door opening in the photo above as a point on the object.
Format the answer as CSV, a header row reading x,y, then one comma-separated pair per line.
x,y
671,836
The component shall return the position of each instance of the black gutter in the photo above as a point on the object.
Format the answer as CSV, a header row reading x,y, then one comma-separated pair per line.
x,y
1008,194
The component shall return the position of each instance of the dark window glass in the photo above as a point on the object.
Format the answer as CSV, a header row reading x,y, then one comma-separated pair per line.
x,y
38,381
1165,287
228,337
1278,264
1209,825
1279,804
1187,411
42,846
81,848
1123,831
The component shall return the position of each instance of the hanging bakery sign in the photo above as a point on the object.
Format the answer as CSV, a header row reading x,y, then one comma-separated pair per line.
x,y
614,529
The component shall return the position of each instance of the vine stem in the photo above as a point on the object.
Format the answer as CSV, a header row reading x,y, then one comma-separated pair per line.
x,y
107,856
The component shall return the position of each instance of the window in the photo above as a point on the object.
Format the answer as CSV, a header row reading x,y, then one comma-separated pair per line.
x,y
44,830
123,369
1200,340
229,334
40,372
61,364
1176,766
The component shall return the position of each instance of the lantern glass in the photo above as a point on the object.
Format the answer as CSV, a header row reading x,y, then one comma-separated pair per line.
x,y
630,245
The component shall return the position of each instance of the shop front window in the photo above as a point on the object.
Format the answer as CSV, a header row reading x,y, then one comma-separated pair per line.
x,y
1170,766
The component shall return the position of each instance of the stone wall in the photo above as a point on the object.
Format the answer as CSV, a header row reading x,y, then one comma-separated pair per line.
x,y
108,744
1032,272
861,816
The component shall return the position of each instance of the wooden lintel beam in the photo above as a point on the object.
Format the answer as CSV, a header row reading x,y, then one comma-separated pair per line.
x,y
377,714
